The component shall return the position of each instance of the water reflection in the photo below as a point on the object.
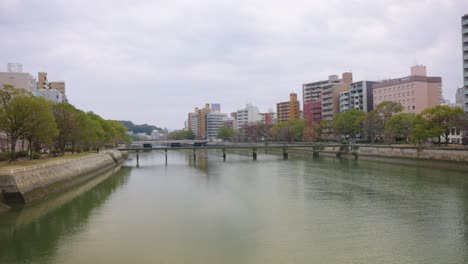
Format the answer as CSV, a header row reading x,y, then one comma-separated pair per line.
x,y
34,231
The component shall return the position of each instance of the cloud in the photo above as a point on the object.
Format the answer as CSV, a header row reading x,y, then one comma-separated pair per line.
x,y
153,61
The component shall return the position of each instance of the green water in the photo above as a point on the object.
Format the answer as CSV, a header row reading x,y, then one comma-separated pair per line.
x,y
302,210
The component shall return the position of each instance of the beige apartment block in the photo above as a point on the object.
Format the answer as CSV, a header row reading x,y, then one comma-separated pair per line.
x,y
60,86
18,80
331,95
415,92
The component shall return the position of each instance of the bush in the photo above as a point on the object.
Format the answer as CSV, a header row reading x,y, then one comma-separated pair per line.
x,y
36,155
22,153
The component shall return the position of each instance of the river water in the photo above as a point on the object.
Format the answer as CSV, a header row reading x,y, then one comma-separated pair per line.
x,y
301,210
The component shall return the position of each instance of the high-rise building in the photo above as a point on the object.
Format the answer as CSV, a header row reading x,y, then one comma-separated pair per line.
x,y
312,93
289,110
331,95
214,120
246,116
42,82
359,96
464,23
415,92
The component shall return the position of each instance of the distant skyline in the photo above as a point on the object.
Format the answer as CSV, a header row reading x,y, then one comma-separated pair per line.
x,y
154,61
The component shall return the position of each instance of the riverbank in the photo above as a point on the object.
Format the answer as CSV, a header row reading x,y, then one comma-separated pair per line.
x,y
24,185
447,157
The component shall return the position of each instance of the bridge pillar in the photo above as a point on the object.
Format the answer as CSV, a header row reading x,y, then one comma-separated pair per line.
x,y
285,153
138,164
315,153
254,153
224,154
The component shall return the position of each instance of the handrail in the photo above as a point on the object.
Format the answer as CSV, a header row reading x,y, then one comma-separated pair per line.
x,y
11,171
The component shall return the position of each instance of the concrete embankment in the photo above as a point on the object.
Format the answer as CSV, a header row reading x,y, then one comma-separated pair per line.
x,y
24,186
453,157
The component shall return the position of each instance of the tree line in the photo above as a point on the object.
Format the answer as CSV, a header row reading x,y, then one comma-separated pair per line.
x,y
58,127
386,123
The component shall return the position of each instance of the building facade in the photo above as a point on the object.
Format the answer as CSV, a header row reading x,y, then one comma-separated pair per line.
x,y
59,86
289,110
314,92
415,92
460,96
214,120
18,80
464,23
248,115
51,94
359,96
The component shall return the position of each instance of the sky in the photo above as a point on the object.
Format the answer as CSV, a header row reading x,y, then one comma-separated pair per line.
x,y
153,61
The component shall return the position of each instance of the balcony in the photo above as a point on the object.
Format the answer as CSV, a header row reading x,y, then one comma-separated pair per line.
x,y
465,57
465,39
465,30
465,65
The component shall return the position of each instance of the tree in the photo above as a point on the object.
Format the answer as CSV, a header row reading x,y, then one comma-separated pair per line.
x,y
373,125
225,132
385,110
182,134
401,125
67,123
423,129
443,118
388,108
13,114
41,128
349,123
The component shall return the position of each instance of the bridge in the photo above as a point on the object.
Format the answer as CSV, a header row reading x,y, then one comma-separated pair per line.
x,y
254,147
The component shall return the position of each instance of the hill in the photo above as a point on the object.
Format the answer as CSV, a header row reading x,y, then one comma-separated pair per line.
x,y
145,128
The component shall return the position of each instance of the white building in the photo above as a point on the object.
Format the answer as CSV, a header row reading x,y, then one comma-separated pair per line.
x,y
214,121
248,115
50,94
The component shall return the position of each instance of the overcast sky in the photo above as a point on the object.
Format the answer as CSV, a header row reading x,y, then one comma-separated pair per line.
x,y
154,61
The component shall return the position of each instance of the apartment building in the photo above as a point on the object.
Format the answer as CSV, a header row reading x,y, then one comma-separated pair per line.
x,y
415,92
312,96
214,120
331,95
359,96
18,80
248,115
289,110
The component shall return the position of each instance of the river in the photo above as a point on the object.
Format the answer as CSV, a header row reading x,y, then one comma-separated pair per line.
x,y
301,210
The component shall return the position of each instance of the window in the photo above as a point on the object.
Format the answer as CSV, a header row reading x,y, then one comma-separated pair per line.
x,y
414,107
413,93
413,85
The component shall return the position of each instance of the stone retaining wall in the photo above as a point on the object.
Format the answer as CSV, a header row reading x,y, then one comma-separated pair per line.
x,y
29,185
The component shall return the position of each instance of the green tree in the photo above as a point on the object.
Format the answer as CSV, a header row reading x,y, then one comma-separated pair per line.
x,y
400,125
373,125
13,114
182,134
41,128
66,117
225,132
349,123
443,118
